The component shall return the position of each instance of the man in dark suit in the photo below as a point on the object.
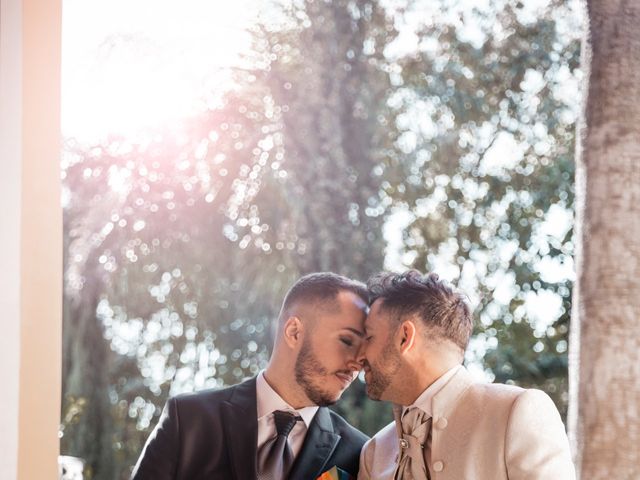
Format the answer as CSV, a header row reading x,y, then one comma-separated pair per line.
x,y
276,425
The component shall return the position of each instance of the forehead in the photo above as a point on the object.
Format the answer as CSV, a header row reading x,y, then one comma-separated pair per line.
x,y
349,312
378,317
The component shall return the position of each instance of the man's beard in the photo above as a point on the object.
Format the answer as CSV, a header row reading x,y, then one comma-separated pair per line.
x,y
307,367
379,378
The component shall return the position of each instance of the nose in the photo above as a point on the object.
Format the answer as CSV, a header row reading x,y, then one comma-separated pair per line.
x,y
360,356
355,363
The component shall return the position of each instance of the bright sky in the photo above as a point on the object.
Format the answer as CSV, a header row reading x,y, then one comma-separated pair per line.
x,y
131,64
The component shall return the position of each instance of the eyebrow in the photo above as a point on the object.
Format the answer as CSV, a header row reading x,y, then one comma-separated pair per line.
x,y
355,331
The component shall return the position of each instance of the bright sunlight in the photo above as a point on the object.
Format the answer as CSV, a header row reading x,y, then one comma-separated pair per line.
x,y
135,65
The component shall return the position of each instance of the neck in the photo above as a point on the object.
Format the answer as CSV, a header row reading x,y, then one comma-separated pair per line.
x,y
281,377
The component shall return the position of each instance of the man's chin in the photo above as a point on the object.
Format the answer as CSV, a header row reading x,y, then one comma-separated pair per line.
x,y
334,397
327,401
373,393
323,398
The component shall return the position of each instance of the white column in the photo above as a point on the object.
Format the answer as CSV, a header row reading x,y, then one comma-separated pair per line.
x,y
10,210
30,238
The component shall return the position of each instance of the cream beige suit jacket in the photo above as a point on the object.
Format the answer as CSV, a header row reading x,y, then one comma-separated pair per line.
x,y
482,432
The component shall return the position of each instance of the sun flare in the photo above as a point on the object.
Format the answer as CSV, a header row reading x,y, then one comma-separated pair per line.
x,y
130,66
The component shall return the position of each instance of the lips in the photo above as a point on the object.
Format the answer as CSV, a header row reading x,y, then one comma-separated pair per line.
x,y
345,378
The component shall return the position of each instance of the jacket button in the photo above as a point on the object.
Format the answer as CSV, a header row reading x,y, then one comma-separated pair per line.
x,y
441,423
438,466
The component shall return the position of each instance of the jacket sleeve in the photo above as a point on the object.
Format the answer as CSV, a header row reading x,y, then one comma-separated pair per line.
x,y
536,446
159,457
366,459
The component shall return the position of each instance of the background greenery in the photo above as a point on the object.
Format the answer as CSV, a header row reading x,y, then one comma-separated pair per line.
x,y
437,135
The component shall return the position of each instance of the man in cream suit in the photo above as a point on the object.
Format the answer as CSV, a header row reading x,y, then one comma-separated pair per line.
x,y
448,426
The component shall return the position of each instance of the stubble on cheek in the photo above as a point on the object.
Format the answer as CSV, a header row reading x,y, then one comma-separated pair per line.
x,y
383,371
308,370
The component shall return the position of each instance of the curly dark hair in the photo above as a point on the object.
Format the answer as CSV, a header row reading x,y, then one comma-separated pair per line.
x,y
443,310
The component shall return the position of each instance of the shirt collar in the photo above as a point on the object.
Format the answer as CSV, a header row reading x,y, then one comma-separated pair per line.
x,y
269,401
424,400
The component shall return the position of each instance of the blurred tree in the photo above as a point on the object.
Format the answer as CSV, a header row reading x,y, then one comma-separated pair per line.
x,y
484,161
347,122
325,68
136,279
181,246
328,93
605,359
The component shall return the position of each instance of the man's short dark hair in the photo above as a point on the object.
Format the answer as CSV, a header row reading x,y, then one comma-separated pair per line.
x,y
323,288
443,310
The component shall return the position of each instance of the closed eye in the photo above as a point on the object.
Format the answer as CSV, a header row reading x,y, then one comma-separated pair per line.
x,y
347,341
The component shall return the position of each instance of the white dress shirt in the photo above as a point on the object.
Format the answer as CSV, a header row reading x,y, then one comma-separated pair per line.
x,y
269,401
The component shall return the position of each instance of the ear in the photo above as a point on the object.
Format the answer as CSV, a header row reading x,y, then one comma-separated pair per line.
x,y
293,331
407,333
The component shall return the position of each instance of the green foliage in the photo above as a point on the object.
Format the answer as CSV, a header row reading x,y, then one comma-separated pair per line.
x,y
481,182
179,246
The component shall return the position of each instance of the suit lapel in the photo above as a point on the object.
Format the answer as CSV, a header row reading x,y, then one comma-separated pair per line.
x,y
240,425
319,444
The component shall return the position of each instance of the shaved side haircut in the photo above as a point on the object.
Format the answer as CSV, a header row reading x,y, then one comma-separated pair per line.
x,y
321,290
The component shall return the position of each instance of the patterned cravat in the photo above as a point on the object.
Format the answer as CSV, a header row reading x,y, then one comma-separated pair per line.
x,y
275,457
415,431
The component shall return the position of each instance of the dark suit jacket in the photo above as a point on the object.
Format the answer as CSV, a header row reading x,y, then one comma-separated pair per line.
x,y
214,434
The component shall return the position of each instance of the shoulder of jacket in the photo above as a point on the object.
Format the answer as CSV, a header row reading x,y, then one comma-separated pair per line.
x,y
510,396
207,395
387,433
345,428
532,398
497,390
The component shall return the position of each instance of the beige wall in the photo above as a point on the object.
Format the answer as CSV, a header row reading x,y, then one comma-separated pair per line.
x,y
30,238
